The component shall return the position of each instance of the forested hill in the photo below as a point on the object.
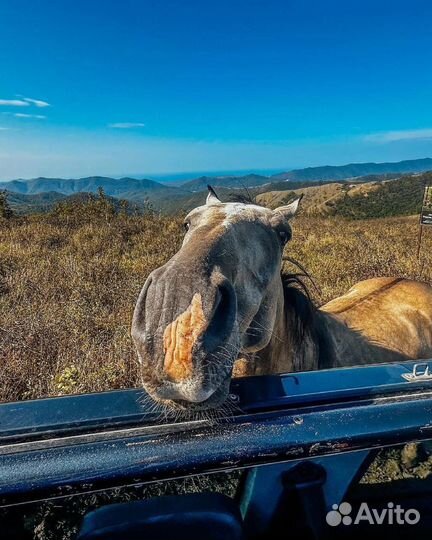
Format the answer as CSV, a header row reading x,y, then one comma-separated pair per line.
x,y
394,198
399,197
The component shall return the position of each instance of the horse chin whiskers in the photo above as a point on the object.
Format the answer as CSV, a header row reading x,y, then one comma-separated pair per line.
x,y
186,410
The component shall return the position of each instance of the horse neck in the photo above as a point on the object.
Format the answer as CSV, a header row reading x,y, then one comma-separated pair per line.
x,y
305,339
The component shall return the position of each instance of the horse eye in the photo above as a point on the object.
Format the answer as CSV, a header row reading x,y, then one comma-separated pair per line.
x,y
283,235
186,226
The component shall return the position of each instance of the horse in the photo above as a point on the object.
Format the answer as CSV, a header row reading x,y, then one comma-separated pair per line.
x,y
221,307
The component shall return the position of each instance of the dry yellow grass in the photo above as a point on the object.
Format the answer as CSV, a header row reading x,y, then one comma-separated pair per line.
x,y
338,253
66,297
67,289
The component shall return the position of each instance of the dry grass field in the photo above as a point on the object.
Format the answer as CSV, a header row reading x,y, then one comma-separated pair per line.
x,y
68,288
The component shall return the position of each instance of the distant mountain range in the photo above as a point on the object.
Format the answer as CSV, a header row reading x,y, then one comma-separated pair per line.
x,y
91,184
236,182
42,193
355,170
313,174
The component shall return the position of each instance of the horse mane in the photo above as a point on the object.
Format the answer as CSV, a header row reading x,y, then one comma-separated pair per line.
x,y
298,305
245,198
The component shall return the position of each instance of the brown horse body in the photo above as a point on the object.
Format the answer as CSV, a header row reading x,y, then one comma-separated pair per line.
x,y
221,308
378,320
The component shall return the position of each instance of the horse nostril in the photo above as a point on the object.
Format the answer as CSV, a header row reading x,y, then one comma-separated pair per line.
x,y
224,314
225,299
139,315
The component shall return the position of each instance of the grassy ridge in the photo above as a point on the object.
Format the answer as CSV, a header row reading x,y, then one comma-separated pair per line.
x,y
363,200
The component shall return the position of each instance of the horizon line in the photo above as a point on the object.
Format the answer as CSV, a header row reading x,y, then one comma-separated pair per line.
x,y
191,175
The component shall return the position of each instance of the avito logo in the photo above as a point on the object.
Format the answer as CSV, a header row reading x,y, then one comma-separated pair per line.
x,y
391,515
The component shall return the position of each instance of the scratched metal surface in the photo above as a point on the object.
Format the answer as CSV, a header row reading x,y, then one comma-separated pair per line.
x,y
345,415
47,418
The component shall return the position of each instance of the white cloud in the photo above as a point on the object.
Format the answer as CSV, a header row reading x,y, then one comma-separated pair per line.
x,y
24,115
14,103
36,102
402,135
23,102
126,125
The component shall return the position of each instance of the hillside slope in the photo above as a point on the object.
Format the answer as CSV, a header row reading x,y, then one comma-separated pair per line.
x,y
314,196
33,204
399,197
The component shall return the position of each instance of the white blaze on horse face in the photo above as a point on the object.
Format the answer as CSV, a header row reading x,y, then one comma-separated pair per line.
x,y
226,214
248,212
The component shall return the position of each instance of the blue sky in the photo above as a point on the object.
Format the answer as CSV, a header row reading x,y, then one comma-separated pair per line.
x,y
149,87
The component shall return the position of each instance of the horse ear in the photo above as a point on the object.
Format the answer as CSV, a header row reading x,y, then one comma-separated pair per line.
x,y
212,198
290,210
